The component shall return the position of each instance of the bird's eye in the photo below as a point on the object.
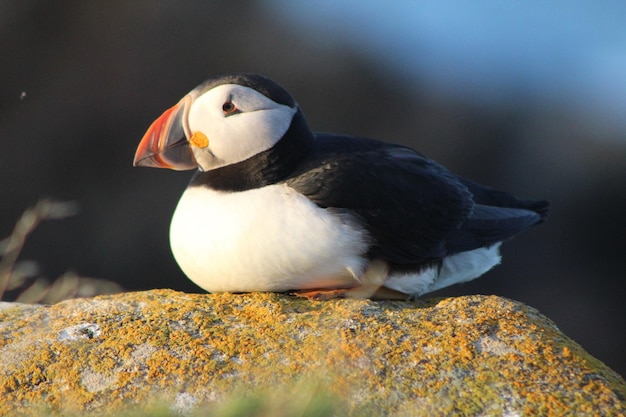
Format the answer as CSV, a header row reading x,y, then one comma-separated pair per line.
x,y
229,108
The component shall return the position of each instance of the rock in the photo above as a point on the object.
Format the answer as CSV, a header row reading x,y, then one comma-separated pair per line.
x,y
473,355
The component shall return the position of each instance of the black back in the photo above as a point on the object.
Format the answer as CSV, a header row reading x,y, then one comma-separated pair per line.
x,y
415,209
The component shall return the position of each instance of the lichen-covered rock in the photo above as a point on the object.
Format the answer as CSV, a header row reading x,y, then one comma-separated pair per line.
x,y
474,355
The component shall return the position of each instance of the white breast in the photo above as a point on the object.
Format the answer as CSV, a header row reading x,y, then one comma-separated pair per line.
x,y
266,239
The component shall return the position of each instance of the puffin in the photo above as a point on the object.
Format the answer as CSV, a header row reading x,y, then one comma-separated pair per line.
x,y
275,207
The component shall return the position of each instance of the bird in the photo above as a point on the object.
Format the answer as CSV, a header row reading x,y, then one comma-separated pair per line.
x,y
275,207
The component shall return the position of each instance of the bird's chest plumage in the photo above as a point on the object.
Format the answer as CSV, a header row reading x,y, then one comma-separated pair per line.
x,y
266,239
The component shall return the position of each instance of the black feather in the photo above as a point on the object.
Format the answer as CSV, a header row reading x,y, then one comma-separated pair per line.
x,y
416,211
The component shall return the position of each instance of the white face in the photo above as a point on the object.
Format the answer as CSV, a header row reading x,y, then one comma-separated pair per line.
x,y
239,122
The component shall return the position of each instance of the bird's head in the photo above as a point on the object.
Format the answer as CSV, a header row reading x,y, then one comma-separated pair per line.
x,y
225,120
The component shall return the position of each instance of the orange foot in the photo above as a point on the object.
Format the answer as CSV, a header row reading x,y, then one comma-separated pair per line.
x,y
322,294
360,291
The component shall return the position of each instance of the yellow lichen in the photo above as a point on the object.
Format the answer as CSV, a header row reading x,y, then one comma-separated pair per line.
x,y
441,355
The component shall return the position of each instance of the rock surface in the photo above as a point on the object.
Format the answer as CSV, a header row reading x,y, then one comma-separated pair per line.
x,y
474,355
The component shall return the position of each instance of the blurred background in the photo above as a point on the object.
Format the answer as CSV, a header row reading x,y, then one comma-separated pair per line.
x,y
526,96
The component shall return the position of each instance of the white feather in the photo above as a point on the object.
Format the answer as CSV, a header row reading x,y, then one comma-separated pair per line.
x,y
265,239
457,268
234,138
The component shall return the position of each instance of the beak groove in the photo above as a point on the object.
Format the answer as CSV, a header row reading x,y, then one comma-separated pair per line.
x,y
165,145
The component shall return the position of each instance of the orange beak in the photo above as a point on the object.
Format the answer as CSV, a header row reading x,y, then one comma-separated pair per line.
x,y
165,144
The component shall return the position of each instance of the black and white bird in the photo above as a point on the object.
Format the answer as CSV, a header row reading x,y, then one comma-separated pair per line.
x,y
275,207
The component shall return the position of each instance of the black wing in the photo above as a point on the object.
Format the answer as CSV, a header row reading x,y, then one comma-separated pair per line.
x,y
491,197
415,209
497,216
409,203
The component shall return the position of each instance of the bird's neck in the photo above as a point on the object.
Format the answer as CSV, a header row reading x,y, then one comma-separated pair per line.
x,y
268,167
